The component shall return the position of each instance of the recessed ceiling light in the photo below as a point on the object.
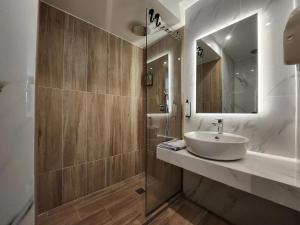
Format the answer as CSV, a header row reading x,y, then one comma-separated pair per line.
x,y
179,59
151,68
268,24
165,63
252,70
237,73
228,37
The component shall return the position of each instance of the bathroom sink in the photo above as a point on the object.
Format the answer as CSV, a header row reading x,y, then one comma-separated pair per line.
x,y
212,145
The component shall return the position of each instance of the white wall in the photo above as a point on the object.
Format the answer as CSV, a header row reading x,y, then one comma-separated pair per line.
x,y
18,23
272,131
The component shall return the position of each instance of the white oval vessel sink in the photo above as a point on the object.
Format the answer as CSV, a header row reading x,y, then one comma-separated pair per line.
x,y
216,146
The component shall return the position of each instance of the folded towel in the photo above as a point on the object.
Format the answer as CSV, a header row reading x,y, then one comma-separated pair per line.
x,y
174,145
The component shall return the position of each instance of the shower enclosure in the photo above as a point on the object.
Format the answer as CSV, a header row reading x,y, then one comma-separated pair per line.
x,y
163,108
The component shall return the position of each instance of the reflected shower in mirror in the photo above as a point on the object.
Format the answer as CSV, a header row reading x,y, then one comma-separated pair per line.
x,y
227,69
157,81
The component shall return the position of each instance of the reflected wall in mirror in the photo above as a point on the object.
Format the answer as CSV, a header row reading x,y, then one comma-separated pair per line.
x,y
227,69
157,81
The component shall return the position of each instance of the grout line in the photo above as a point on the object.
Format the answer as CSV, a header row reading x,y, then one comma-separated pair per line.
x,y
88,162
62,110
90,92
86,134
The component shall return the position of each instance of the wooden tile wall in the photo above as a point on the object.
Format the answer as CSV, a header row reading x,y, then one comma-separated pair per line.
x,y
74,128
49,129
96,132
114,65
49,190
74,182
75,54
209,87
51,33
97,60
90,109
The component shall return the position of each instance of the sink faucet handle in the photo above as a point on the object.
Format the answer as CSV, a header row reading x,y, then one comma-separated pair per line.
x,y
218,121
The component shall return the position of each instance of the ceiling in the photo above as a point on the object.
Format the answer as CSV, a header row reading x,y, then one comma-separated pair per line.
x,y
243,38
118,16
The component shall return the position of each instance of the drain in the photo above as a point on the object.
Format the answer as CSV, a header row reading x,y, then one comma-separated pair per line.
x,y
140,191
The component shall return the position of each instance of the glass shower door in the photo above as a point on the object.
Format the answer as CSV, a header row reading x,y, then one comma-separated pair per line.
x,y
163,110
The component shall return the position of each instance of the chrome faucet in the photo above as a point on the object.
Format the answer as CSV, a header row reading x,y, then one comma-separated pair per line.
x,y
219,124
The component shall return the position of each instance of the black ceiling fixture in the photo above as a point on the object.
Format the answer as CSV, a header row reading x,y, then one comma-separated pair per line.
x,y
200,51
154,17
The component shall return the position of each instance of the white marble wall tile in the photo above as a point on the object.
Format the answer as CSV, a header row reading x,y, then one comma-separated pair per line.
x,y
236,206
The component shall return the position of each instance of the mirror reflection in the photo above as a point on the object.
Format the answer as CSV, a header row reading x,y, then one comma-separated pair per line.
x,y
227,69
157,81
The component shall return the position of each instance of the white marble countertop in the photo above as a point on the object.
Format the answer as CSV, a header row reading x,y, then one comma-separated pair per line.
x,y
274,178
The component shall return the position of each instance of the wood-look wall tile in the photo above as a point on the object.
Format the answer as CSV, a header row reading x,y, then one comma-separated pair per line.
x,y
139,162
134,124
113,124
49,190
151,163
137,72
114,169
50,59
75,54
126,134
137,124
141,124
74,128
74,183
96,132
49,129
128,160
97,60
126,64
96,175
113,81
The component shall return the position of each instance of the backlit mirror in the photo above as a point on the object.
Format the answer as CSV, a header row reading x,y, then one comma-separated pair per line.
x,y
227,69
157,81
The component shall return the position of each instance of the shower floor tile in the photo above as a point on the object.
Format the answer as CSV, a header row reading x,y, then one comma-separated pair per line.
x,y
120,204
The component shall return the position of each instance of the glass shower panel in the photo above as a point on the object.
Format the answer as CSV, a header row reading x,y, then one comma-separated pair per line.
x,y
164,113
